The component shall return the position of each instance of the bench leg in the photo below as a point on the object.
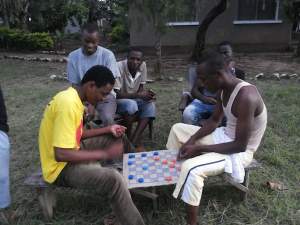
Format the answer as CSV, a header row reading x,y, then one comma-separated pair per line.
x,y
150,124
47,201
154,202
246,184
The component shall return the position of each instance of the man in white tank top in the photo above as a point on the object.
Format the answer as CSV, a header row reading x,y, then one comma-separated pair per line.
x,y
212,150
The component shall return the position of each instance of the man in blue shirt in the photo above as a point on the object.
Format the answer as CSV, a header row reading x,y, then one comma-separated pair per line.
x,y
87,56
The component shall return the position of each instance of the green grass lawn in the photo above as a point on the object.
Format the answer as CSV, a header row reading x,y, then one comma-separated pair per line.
x,y
27,89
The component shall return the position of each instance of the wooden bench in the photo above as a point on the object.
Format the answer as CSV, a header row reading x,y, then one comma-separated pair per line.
x,y
47,198
244,187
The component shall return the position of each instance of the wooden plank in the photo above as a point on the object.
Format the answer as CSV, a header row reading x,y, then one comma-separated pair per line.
x,y
36,180
235,184
254,165
144,193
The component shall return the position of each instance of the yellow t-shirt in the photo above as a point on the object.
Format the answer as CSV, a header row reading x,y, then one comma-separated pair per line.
x,y
61,127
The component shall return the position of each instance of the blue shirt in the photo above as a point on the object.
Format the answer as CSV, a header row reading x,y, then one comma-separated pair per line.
x,y
78,63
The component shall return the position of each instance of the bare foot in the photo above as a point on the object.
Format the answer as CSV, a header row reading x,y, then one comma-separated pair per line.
x,y
140,148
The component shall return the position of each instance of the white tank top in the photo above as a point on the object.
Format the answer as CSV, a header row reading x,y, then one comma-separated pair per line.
x,y
259,124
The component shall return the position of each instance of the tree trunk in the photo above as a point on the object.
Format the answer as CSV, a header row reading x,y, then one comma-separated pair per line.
x,y
158,63
6,20
5,13
202,29
297,52
92,18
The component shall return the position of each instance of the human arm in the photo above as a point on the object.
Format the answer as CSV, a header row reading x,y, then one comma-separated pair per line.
x,y
116,130
146,95
72,72
197,93
111,63
209,126
244,111
67,133
75,156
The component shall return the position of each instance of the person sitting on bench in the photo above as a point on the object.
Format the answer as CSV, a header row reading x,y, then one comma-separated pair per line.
x,y
212,150
226,50
69,155
88,55
202,105
132,99
194,105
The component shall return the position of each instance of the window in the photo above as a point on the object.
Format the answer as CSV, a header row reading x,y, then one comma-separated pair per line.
x,y
258,10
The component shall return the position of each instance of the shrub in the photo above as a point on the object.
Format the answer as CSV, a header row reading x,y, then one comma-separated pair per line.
x,y
119,34
19,39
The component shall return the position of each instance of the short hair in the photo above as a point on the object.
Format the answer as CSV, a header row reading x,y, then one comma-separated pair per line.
x,y
100,74
90,28
134,49
203,56
214,62
225,43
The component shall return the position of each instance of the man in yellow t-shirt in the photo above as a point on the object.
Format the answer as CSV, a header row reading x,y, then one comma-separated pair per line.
x,y
64,162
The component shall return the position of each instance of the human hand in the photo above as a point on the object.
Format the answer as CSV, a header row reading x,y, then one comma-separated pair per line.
x,y
187,151
152,92
89,112
115,150
117,130
146,95
191,141
210,100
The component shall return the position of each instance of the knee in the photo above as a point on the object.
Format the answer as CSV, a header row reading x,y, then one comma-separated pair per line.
x,y
127,106
186,166
131,107
175,128
117,182
188,116
194,175
152,107
147,110
107,118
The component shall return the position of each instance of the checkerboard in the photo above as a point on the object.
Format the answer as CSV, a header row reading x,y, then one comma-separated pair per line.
x,y
148,169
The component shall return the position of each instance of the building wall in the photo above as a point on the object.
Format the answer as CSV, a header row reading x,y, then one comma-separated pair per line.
x,y
252,37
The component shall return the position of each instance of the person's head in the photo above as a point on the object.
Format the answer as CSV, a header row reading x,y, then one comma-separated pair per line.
x,y
225,49
97,83
213,71
134,59
90,38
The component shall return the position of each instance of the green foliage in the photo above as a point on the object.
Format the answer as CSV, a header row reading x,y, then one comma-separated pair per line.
x,y
19,39
107,9
53,15
155,11
119,34
292,11
14,13
161,11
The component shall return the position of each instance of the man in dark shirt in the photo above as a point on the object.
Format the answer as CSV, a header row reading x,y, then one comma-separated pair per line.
x,y
225,49
4,164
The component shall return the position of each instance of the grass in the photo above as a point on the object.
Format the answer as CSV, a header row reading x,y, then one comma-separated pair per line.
x,y
27,89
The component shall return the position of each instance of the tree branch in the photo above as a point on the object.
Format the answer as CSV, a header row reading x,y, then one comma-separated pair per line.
x,y
202,29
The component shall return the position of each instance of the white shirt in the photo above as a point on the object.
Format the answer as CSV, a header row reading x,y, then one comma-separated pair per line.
x,y
128,83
